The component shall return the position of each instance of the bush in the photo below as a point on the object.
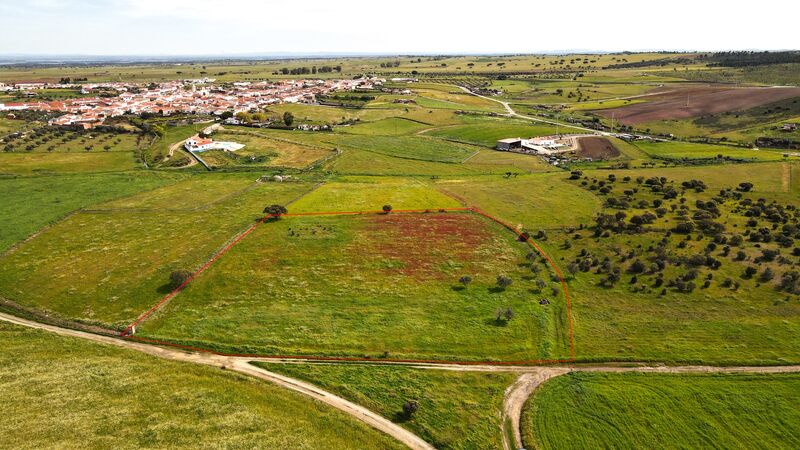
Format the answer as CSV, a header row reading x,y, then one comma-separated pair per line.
x,y
178,277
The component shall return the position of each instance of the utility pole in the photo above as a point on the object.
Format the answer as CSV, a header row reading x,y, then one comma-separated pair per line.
x,y
612,122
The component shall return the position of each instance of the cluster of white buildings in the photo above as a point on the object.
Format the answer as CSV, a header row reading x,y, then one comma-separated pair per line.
x,y
541,145
200,96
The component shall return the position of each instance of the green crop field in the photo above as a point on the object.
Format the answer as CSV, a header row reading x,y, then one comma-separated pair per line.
x,y
457,409
632,410
66,393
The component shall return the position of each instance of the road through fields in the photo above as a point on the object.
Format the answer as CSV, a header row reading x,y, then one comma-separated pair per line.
x,y
515,397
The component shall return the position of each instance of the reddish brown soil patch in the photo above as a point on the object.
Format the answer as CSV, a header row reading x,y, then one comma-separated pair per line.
x,y
702,100
596,148
418,245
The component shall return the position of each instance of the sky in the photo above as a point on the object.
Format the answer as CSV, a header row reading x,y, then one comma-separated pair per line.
x,y
236,27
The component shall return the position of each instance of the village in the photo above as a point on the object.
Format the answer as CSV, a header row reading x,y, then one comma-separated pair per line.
x,y
190,96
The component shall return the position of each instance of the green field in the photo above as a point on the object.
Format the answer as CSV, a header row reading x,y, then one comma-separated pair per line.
x,y
634,410
487,132
457,410
261,151
688,150
68,393
355,285
410,147
50,163
684,249
108,266
33,202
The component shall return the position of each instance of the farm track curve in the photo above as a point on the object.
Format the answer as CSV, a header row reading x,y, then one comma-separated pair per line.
x,y
515,396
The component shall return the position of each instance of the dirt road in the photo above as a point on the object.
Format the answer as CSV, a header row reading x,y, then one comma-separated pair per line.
x,y
518,393
515,396
242,365
513,113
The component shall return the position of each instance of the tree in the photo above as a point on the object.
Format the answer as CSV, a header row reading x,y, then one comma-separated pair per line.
x,y
508,314
465,280
573,268
178,278
409,408
387,208
503,281
275,210
288,118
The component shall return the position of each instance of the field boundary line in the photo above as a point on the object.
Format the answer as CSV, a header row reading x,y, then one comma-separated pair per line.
x,y
224,249
128,332
36,233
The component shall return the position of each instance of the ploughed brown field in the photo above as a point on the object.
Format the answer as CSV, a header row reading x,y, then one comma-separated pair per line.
x,y
702,100
596,148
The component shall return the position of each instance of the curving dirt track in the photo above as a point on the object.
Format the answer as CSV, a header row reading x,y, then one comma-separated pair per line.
x,y
518,393
515,396
242,365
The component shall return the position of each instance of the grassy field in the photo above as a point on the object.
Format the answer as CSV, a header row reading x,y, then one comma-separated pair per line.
x,y
33,202
50,163
394,126
688,150
487,131
410,147
356,285
261,151
630,410
457,410
370,194
751,323
109,266
67,393
538,201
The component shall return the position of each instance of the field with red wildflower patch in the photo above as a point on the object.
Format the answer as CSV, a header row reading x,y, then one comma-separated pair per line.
x,y
376,285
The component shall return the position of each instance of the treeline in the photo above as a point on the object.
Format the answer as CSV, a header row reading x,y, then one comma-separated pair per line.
x,y
744,59
650,63
310,70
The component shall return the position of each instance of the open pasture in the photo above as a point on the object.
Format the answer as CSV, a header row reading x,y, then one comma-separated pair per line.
x,y
487,131
370,194
394,126
61,392
65,163
410,147
30,203
537,201
107,267
260,150
355,286
458,410
674,150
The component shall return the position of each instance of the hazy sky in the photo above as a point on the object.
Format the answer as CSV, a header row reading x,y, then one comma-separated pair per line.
x,y
167,27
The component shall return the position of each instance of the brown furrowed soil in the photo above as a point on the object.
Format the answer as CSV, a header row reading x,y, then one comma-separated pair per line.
x,y
698,101
596,148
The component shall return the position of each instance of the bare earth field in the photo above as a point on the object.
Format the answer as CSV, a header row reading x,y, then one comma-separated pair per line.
x,y
596,148
701,101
